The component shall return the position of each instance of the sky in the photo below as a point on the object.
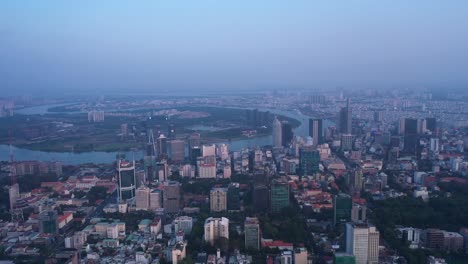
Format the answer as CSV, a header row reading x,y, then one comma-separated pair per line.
x,y
107,46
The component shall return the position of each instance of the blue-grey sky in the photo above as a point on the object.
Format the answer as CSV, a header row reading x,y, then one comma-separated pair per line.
x,y
151,45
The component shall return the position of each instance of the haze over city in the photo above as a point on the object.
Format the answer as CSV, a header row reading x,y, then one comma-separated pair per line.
x,y
150,46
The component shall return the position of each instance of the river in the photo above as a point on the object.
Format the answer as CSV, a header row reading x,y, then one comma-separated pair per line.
x,y
108,157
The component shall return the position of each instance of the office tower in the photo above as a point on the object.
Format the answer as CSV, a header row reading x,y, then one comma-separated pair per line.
x,y
342,204
161,146
346,119
347,142
171,131
434,145
208,150
222,151
260,198
252,233
194,140
177,150
316,131
171,196
286,134
195,152
155,199
358,213
362,241
279,195
161,170
215,229
401,127
218,199
233,197
142,198
127,179
411,126
48,222
277,133
431,124
422,126
183,223
309,161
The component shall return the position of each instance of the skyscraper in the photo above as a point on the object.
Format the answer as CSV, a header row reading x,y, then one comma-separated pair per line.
x,y
194,140
277,133
177,150
358,213
233,197
215,229
48,222
218,199
171,196
279,195
309,161
252,233
347,142
142,198
346,119
342,204
286,134
126,178
316,131
363,242
161,146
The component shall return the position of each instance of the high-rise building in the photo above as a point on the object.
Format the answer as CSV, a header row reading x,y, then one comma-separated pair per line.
x,y
124,130
309,161
260,198
194,140
218,199
434,145
362,241
171,131
279,195
286,134
14,195
183,223
171,196
316,131
347,142
252,233
161,146
155,199
142,198
358,213
48,222
177,150
431,124
162,170
277,133
378,116
208,150
195,152
215,229
126,178
342,204
346,119
233,197
222,151
96,116
356,179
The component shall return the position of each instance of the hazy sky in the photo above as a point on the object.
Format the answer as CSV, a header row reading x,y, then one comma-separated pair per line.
x,y
111,45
